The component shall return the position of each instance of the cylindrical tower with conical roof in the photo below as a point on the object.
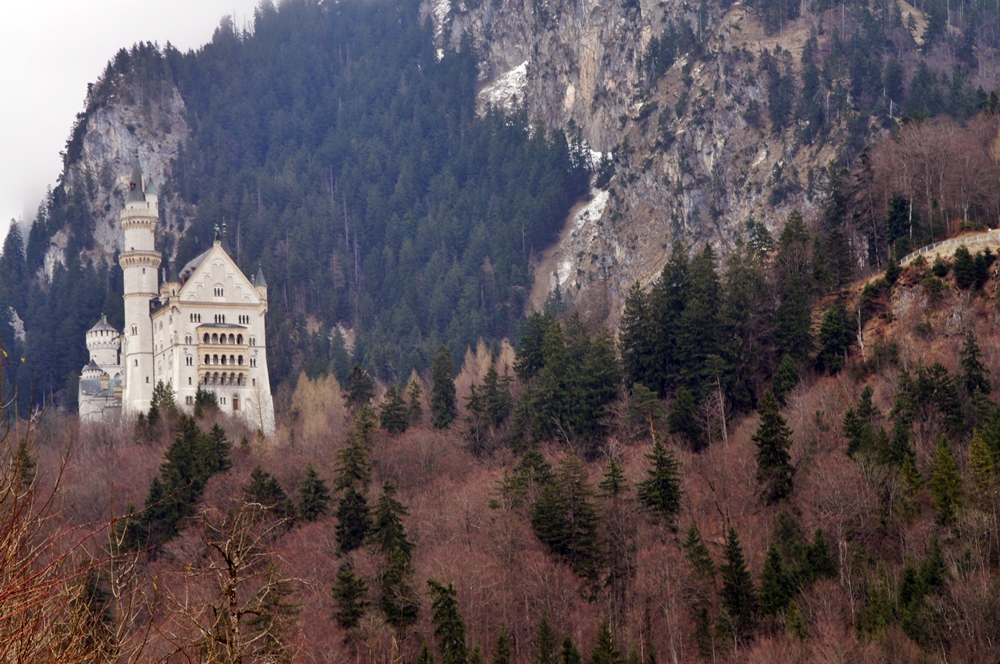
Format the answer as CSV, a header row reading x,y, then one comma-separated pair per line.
x,y
140,262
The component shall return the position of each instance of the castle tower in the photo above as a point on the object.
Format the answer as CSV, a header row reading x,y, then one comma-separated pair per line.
x,y
140,262
103,342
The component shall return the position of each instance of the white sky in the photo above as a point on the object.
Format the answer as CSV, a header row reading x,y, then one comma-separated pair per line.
x,y
50,50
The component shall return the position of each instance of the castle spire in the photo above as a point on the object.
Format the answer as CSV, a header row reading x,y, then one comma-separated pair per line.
x,y
135,193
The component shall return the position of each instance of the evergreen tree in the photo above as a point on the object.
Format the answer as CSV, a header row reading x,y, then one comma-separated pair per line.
x,y
398,601
857,427
739,599
415,394
793,268
637,338
683,420
387,532
425,656
697,554
786,377
982,467
613,483
360,388
776,589
795,623
353,520
443,408
503,651
393,415
605,651
819,561
313,496
565,518
661,492
569,653
974,372
773,438
546,642
946,481
449,627
477,656
349,594
23,464
964,268
264,489
645,410
833,340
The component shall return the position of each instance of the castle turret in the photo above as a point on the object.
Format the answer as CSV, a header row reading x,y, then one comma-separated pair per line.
x,y
103,342
140,262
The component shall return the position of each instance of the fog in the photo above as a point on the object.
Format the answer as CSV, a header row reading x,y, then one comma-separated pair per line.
x,y
50,50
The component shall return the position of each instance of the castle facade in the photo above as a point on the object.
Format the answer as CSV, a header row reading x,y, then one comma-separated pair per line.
x,y
202,327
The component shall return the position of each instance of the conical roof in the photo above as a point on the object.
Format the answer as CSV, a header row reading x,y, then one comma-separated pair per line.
x,y
259,279
151,188
135,182
103,324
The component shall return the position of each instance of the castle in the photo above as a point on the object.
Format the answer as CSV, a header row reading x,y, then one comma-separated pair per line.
x,y
203,327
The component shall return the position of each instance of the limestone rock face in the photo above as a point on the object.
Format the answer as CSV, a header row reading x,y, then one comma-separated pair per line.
x,y
695,157
112,134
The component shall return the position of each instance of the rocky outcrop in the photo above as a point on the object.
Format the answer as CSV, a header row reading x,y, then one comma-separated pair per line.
x,y
695,159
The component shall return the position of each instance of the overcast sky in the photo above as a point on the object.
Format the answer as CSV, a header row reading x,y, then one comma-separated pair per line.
x,y
50,50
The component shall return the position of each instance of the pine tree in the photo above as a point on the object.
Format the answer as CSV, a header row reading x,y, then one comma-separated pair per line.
x,y
698,555
637,338
393,415
964,268
773,438
819,561
349,594
786,377
387,532
683,420
613,483
415,395
973,370
353,520
425,656
739,598
946,481
565,518
503,651
313,496
265,490
793,267
795,623
546,642
661,492
23,464
833,340
982,468
477,656
449,627
443,407
605,651
776,589
398,602
360,388
569,653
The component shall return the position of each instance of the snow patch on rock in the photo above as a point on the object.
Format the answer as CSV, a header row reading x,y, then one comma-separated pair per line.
x,y
507,90
584,231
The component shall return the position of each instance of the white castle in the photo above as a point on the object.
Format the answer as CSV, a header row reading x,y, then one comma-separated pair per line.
x,y
202,328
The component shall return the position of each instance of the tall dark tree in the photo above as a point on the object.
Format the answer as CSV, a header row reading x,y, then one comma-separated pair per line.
x,y
793,272
349,594
739,597
833,340
974,372
444,409
776,588
661,492
773,438
393,415
684,420
360,388
605,651
449,626
313,496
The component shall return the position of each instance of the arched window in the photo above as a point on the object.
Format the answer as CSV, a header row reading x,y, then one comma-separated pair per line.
x,y
222,338
232,360
208,360
215,338
135,330
223,359
236,402
206,338
232,339
239,338
215,378
207,378
239,360
215,359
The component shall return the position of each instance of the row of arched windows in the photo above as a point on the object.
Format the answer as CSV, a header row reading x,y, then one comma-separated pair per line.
x,y
223,378
222,338
232,359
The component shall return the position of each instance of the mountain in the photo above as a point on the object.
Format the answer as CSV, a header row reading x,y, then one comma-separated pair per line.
x,y
409,175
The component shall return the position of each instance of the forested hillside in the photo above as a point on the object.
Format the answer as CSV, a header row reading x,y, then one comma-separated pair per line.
x,y
344,157
545,505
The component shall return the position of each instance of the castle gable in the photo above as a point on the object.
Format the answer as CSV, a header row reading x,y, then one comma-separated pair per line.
x,y
217,278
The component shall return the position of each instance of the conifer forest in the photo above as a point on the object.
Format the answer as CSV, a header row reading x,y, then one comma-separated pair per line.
x,y
780,449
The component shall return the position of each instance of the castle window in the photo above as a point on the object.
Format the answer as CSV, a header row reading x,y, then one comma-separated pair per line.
x,y
147,379
187,339
218,291
135,330
255,382
239,338
232,339
239,360
215,338
137,363
207,378
236,402
215,359
189,401
207,359
253,341
189,360
189,382
253,361
223,359
205,338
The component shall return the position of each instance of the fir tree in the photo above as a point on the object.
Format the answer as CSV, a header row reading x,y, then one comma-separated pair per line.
x,y
387,532
776,589
982,468
360,388
349,594
546,642
353,520
565,518
393,415
819,561
786,377
476,657
661,492
795,623
23,464
264,489
773,438
833,340
415,395
974,372
613,483
697,554
964,268
313,496
503,651
605,651
425,656
398,601
569,654
683,420
443,407
946,481
739,597
793,267
449,627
